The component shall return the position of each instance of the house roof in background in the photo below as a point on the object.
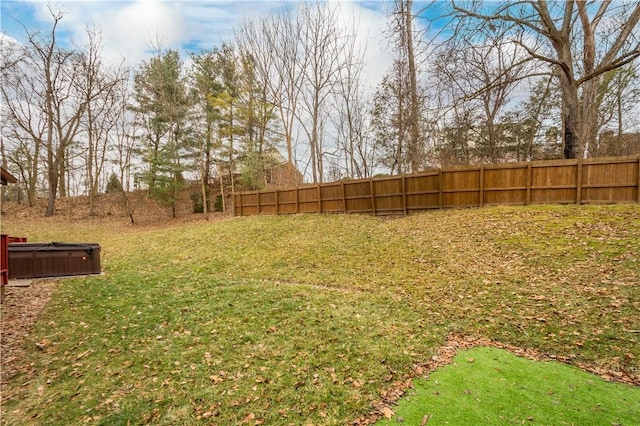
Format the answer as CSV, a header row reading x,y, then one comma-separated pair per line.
x,y
7,177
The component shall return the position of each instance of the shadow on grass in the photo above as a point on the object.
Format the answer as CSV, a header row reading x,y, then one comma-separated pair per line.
x,y
486,385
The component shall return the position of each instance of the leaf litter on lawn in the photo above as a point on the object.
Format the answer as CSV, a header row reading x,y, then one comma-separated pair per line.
x,y
310,318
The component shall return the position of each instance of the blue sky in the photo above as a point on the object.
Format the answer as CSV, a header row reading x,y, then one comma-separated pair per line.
x,y
129,26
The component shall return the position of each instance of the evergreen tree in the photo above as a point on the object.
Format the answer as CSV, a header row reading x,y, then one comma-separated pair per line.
x,y
161,101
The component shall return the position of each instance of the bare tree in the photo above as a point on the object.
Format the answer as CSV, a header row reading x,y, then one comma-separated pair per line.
x,y
351,117
326,48
45,104
99,87
404,22
572,38
124,138
274,45
618,100
402,135
352,122
485,74
23,122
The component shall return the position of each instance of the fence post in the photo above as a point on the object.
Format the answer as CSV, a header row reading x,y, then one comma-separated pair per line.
x,y
258,197
297,200
277,206
440,186
318,193
579,183
529,178
373,197
404,194
344,200
638,194
482,186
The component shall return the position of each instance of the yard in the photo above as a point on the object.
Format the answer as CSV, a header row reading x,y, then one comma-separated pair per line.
x,y
318,319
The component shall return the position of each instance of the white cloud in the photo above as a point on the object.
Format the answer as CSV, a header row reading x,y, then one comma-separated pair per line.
x,y
143,25
371,27
130,28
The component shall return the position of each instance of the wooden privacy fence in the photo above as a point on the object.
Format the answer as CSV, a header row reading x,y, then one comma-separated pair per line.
x,y
598,180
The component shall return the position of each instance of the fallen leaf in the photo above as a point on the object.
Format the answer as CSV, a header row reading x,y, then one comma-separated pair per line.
x,y
249,418
387,412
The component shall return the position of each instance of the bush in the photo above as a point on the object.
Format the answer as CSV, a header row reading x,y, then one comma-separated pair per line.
x,y
217,205
114,184
196,199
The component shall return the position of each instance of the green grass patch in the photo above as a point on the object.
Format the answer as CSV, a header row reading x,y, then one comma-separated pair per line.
x,y
491,386
311,318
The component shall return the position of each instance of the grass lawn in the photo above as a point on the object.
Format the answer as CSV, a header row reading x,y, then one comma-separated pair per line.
x,y
313,319
489,386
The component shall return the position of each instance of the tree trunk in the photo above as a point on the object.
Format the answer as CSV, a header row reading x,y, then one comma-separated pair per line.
x,y
589,118
570,116
90,178
414,129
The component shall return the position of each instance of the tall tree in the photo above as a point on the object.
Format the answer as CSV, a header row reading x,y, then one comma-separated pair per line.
x,y
23,124
205,88
404,145
227,103
352,121
44,104
124,138
261,134
326,48
390,120
576,40
404,22
161,102
99,85
274,45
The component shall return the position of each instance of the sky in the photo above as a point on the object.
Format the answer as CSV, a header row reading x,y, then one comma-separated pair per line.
x,y
129,28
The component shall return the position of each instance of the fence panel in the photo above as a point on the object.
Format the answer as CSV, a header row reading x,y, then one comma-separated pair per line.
x,y
600,180
389,196
423,191
461,187
554,184
287,201
357,196
246,204
308,200
610,182
331,198
505,185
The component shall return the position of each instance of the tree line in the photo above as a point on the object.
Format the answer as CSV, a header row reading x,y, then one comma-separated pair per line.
x,y
472,82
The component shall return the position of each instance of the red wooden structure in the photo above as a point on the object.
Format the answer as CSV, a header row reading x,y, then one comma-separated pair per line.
x,y
4,255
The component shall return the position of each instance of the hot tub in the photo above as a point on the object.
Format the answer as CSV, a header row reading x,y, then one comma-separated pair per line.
x,y
38,260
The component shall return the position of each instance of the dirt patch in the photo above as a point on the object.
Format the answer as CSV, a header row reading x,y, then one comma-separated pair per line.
x,y
19,309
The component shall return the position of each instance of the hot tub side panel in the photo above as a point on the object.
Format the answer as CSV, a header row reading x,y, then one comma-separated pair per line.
x,y
39,260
